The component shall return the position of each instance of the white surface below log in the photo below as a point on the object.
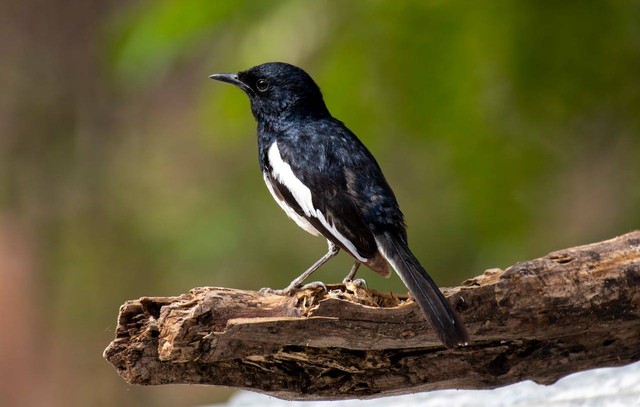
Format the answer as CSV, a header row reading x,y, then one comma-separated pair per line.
x,y
608,387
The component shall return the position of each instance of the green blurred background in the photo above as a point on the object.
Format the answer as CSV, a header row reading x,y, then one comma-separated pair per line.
x,y
508,129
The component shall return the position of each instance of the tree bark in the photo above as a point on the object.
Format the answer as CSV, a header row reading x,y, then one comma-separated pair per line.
x,y
572,310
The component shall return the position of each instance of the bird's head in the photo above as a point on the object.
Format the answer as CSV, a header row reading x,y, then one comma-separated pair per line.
x,y
278,90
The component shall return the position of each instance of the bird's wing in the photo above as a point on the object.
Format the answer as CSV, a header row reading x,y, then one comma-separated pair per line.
x,y
321,196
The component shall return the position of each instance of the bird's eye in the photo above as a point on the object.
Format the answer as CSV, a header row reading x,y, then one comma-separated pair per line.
x,y
262,85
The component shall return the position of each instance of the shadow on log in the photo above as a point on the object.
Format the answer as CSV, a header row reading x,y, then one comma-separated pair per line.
x,y
572,310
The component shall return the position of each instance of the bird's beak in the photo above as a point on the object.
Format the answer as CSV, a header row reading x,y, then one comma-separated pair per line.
x,y
231,78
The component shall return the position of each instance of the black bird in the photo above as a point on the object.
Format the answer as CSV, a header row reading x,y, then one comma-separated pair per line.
x,y
327,181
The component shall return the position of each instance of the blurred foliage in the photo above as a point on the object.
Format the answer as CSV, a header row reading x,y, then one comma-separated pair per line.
x,y
507,129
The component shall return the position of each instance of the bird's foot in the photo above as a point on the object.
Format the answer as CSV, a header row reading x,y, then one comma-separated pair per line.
x,y
358,282
314,286
291,289
268,290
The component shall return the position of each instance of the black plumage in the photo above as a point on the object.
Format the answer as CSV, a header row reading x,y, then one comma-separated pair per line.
x,y
329,183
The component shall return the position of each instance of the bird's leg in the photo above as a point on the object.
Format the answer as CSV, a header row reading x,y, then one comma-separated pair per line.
x,y
352,273
296,284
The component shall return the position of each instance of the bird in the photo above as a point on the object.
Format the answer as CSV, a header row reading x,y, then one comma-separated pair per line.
x,y
329,184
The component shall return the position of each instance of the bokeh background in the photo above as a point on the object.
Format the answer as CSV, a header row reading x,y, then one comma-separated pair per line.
x,y
508,129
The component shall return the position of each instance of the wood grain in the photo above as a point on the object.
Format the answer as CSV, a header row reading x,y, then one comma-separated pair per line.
x,y
572,310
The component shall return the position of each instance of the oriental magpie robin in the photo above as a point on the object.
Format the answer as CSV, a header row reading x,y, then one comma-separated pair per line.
x,y
327,181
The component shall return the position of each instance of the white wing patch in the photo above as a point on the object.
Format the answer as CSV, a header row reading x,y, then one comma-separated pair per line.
x,y
332,229
299,220
282,172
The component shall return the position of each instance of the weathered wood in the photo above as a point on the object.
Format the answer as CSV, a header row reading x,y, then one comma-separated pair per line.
x,y
571,310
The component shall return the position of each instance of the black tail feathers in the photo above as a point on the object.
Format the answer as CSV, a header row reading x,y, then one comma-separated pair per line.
x,y
444,320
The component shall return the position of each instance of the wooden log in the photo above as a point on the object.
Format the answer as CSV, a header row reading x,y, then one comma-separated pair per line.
x,y
572,310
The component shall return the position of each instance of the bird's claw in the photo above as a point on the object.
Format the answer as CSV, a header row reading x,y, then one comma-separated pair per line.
x,y
290,290
358,282
268,290
314,286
